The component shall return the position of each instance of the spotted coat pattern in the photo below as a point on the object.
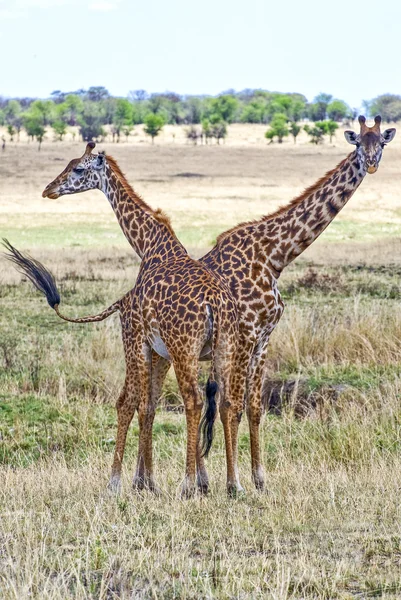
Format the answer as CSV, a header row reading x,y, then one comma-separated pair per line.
x,y
177,307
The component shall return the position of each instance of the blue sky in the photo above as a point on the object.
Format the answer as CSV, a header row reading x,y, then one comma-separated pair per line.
x,y
347,48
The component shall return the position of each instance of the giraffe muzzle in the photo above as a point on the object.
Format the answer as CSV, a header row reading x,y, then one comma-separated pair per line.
x,y
372,169
48,193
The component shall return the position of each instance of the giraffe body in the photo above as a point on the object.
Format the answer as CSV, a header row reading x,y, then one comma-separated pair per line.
x,y
250,257
177,309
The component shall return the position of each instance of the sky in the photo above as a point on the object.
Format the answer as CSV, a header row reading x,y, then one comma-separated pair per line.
x,y
347,48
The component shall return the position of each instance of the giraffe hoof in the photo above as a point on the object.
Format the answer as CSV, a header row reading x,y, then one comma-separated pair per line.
x,y
114,485
259,479
235,490
202,483
145,483
187,490
138,483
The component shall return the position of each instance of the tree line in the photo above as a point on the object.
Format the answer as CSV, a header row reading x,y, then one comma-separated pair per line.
x,y
206,116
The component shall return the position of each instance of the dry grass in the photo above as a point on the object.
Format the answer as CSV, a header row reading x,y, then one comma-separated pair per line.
x,y
328,525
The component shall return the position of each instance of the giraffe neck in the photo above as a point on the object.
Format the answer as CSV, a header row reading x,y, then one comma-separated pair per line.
x,y
277,239
309,215
147,231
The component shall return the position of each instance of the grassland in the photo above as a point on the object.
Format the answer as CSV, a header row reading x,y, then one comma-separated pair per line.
x,y
329,524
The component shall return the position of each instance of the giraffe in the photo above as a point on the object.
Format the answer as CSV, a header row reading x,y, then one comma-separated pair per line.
x,y
177,309
250,258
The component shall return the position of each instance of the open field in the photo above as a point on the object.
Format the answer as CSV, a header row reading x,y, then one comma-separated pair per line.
x,y
329,525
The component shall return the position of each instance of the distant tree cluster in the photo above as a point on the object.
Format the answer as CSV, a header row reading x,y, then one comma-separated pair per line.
x,y
97,114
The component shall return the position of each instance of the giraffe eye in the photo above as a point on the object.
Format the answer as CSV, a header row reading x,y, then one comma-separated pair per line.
x,y
79,170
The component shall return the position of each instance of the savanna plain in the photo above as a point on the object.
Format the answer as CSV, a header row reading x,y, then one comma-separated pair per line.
x,y
329,524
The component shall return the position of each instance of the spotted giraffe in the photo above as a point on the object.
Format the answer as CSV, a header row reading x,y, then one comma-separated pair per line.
x,y
250,258
177,309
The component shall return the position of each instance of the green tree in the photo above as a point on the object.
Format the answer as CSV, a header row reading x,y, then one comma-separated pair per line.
x,y
317,132
318,109
294,129
278,128
254,111
224,107
45,108
33,123
219,130
13,117
71,109
11,132
122,117
154,123
97,93
386,105
60,128
206,130
338,110
331,127
91,121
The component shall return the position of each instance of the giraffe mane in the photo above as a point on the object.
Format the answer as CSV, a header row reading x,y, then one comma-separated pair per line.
x,y
287,207
158,214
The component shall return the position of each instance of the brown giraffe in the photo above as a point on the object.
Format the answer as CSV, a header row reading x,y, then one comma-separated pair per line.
x,y
250,258
177,309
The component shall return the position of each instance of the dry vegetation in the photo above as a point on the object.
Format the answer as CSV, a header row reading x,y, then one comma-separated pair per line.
x,y
328,527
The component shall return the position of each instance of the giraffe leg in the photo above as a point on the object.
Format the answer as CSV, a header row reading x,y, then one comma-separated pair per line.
x,y
144,364
254,413
144,469
238,385
202,478
224,367
187,377
122,429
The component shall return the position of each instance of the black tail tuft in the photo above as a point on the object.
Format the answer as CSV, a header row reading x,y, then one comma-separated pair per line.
x,y
209,417
41,278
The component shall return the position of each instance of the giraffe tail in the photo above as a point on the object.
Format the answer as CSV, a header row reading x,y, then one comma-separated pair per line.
x,y
44,281
209,416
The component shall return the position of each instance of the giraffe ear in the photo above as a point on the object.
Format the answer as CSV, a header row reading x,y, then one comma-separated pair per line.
x,y
388,135
351,137
100,160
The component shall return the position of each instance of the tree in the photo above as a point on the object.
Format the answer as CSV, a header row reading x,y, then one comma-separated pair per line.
x,y
219,130
60,128
338,110
33,123
331,127
97,93
224,107
91,121
318,109
71,109
206,130
193,134
294,130
11,132
122,117
316,132
278,128
254,111
13,118
386,105
153,125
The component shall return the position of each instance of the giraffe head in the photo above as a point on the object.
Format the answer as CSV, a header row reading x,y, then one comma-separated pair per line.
x,y
80,175
370,143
